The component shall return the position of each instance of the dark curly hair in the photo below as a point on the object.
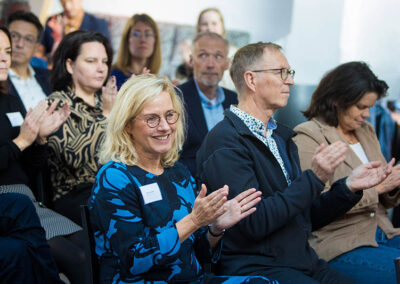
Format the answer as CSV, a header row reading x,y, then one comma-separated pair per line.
x,y
341,88
70,48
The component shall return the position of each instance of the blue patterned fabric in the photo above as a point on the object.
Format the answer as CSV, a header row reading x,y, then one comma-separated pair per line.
x,y
258,129
138,242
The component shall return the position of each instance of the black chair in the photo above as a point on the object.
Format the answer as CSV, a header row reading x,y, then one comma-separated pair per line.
x,y
91,257
397,266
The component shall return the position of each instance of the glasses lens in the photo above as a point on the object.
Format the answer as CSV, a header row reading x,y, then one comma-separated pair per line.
x,y
172,117
153,121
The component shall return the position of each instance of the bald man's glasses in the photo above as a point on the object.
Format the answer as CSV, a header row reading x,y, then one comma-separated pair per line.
x,y
284,72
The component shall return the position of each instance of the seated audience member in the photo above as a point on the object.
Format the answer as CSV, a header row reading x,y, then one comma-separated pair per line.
x,y
250,149
209,20
205,101
81,67
23,152
71,19
148,225
139,50
29,84
25,256
362,243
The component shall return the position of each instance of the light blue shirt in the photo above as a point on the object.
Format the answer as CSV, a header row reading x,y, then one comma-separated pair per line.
x,y
213,109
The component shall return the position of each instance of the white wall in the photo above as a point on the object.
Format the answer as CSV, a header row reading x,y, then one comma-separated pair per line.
x,y
255,16
371,32
312,47
316,35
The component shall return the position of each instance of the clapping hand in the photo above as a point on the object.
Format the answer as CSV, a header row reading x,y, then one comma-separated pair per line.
x,y
52,120
237,208
108,95
327,158
368,175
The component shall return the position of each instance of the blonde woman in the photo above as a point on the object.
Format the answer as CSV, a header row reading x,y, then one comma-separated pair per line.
x,y
148,225
140,49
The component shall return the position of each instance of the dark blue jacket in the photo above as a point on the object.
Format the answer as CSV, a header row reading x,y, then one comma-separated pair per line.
x,y
276,235
196,121
42,76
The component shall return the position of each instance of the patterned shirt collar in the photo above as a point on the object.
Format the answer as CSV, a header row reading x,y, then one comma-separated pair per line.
x,y
255,125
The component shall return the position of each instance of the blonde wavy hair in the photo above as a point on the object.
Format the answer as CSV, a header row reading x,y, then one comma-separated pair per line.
x,y
124,57
134,93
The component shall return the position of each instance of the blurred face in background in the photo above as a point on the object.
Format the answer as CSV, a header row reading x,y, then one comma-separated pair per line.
x,y
90,69
141,41
5,55
24,36
211,22
209,61
71,8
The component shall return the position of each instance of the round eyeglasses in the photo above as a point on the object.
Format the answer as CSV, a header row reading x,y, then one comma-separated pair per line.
x,y
153,120
284,72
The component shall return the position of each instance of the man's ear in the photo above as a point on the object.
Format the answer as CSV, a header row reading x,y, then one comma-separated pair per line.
x,y
250,80
191,60
68,65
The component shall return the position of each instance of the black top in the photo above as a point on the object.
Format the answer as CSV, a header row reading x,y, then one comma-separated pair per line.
x,y
17,167
276,235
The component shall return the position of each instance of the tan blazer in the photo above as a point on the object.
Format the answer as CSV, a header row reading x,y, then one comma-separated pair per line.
x,y
358,226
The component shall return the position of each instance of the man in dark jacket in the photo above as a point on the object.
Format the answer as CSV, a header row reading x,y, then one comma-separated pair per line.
x,y
204,100
249,149
28,83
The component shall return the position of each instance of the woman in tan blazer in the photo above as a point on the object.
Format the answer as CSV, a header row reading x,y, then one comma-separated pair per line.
x,y
363,242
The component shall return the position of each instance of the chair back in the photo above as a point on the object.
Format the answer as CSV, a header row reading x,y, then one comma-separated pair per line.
x,y
397,267
91,257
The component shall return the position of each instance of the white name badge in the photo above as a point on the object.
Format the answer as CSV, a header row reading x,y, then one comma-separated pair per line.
x,y
15,118
151,193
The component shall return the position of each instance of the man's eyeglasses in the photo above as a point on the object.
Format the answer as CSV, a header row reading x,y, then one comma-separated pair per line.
x,y
153,120
29,40
284,72
137,34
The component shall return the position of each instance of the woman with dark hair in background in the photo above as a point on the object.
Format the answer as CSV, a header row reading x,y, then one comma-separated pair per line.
x,y
363,243
23,151
81,68
139,50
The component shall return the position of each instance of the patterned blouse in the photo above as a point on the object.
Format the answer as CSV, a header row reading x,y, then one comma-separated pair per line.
x,y
74,147
134,212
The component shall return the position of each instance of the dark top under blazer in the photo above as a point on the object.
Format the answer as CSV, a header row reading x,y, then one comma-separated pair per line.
x,y
196,121
42,76
276,235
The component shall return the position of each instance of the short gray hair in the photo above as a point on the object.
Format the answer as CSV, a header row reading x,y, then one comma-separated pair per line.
x,y
245,58
210,35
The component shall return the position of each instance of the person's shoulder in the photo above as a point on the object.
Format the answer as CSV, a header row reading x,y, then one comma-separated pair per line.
x,y
95,22
187,87
41,71
180,169
309,127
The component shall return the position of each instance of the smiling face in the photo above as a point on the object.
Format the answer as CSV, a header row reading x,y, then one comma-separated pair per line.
x,y
209,61
141,41
24,37
271,92
5,55
151,143
354,116
71,7
89,70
